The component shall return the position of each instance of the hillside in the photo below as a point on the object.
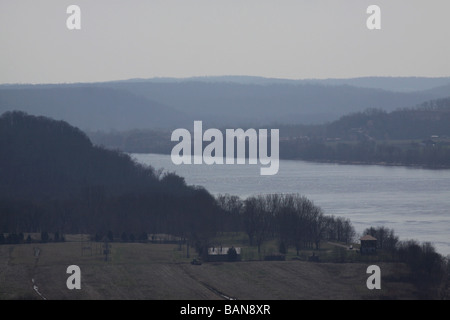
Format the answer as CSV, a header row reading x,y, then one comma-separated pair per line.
x,y
247,104
52,178
43,158
408,136
431,118
54,182
160,272
218,101
89,107
394,84
414,137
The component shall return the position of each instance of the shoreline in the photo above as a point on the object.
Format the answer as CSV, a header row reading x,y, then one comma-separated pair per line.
x,y
343,162
383,164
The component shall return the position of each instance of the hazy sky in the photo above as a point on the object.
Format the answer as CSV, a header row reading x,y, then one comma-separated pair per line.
x,y
295,39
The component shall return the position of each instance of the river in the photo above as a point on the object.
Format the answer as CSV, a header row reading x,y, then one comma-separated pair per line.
x,y
414,202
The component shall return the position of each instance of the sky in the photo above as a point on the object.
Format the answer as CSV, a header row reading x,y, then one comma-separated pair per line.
x,y
291,39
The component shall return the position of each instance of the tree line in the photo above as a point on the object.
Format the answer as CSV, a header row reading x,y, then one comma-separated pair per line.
x,y
54,181
429,270
293,219
427,153
373,136
370,136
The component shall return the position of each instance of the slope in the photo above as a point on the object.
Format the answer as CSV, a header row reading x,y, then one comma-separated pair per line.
x,y
239,104
89,107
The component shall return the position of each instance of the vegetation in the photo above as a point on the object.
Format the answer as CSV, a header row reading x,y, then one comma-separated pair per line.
x,y
176,103
415,136
54,182
89,107
291,218
429,270
139,271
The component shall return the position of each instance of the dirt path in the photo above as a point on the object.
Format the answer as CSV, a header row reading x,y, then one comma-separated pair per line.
x,y
37,253
207,286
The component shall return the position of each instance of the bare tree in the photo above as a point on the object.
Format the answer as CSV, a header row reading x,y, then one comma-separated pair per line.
x,y
259,213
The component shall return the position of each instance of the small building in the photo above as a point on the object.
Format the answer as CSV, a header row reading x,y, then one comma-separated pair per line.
x,y
368,244
223,254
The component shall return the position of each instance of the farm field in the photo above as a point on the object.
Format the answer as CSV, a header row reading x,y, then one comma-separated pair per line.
x,y
162,272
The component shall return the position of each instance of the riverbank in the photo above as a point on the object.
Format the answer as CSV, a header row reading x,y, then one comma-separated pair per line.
x,y
346,162
413,202
376,163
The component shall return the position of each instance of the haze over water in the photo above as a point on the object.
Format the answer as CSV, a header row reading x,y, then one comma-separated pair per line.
x,y
414,202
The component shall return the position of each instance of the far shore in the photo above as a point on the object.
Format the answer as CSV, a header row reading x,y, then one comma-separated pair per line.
x,y
343,162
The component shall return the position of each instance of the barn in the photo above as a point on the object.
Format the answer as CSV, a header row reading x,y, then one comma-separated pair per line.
x,y
368,244
223,254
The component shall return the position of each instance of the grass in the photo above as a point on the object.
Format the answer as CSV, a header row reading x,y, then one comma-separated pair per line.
x,y
163,272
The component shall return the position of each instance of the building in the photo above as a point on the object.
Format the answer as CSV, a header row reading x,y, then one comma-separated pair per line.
x,y
222,254
368,245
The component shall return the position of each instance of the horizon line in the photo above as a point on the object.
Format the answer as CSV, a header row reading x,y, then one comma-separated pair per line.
x,y
205,77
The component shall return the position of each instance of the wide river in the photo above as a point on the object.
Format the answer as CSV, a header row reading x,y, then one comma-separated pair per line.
x,y
414,202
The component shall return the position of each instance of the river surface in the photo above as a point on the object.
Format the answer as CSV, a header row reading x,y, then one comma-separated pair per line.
x,y
414,202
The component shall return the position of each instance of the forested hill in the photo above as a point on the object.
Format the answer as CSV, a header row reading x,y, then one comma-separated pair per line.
x,y
408,136
417,136
218,102
52,178
429,119
44,158
89,107
237,104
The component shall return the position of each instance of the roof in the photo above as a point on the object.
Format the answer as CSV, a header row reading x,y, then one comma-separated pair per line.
x,y
221,250
368,237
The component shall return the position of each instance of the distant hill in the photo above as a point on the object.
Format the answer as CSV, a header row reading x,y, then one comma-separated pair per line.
x,y
89,107
411,136
441,91
218,101
417,136
231,103
396,84
431,118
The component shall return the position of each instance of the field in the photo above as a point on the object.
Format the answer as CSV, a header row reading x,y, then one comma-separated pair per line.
x,y
162,272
